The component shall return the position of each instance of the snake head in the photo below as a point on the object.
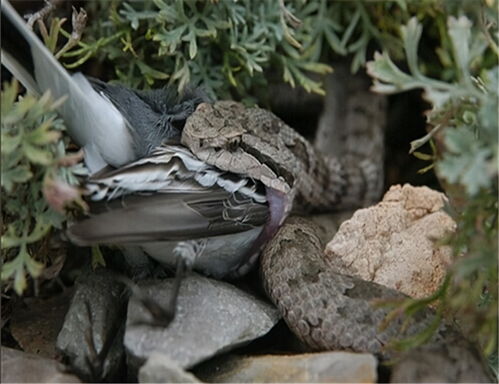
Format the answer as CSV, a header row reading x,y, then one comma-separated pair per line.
x,y
214,126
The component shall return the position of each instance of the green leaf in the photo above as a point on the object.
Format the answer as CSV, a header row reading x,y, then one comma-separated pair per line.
x,y
19,174
392,78
423,156
151,74
193,47
9,95
319,68
20,281
10,143
97,258
476,175
37,155
33,267
458,140
43,134
411,35
460,34
426,169
452,167
9,268
16,269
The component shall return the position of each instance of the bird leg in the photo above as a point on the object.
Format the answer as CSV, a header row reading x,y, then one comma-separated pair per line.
x,y
161,316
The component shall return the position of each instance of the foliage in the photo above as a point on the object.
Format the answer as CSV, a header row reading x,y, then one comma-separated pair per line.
x,y
32,151
231,48
463,133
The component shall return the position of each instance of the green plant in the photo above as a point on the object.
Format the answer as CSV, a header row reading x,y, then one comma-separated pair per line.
x,y
33,156
463,133
233,48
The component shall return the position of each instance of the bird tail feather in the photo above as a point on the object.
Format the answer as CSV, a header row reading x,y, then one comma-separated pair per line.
x,y
93,122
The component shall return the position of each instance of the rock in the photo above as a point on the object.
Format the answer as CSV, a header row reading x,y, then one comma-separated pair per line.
x,y
22,367
395,243
325,367
212,317
97,313
454,361
36,323
160,368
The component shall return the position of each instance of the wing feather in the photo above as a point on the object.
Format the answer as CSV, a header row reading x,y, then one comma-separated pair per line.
x,y
168,196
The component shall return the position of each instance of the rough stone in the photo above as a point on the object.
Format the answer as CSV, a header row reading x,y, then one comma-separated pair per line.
x,y
97,313
396,242
160,368
212,317
325,367
22,367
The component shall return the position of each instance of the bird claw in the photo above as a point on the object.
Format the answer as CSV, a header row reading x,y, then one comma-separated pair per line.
x,y
160,316
93,359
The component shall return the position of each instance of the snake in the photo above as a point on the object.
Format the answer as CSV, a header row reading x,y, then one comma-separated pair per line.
x,y
324,309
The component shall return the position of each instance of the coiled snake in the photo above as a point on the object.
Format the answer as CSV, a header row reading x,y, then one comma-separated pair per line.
x,y
324,309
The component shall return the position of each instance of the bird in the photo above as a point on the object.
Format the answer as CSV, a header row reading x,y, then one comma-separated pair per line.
x,y
145,190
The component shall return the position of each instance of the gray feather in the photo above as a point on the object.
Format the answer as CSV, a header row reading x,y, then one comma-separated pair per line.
x,y
167,217
163,198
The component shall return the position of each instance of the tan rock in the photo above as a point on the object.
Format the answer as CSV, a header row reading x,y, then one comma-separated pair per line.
x,y
396,242
22,367
159,368
324,367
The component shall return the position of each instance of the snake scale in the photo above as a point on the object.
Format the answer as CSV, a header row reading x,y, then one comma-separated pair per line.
x,y
324,309
256,143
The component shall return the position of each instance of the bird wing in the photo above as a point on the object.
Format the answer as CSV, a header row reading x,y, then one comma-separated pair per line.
x,y
170,195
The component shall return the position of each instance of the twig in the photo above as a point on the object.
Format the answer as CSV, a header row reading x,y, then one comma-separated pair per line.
x,y
79,21
50,6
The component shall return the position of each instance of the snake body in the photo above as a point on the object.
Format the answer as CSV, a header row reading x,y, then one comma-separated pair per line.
x,y
325,310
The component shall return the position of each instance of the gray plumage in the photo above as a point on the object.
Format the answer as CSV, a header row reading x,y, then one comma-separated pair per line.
x,y
170,198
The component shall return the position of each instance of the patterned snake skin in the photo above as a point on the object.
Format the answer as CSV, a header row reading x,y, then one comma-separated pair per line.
x,y
325,310
256,143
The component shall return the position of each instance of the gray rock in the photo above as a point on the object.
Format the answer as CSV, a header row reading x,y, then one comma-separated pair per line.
x,y
325,367
21,367
160,368
97,313
212,317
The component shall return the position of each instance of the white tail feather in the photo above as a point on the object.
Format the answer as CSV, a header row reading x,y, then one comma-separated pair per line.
x,y
92,120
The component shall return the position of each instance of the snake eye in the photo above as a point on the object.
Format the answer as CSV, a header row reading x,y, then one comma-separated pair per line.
x,y
233,143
